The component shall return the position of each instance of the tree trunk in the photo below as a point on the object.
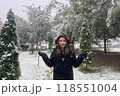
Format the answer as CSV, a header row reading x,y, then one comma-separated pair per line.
x,y
105,50
72,44
36,45
32,49
86,67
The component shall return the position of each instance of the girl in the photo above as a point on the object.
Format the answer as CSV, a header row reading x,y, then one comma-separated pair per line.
x,y
62,59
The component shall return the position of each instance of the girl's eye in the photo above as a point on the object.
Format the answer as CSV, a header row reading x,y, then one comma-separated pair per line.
x,y
60,40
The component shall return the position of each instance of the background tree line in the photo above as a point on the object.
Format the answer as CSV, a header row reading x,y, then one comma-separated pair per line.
x,y
103,18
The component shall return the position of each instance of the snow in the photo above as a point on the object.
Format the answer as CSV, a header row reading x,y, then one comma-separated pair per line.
x,y
103,73
114,49
6,27
31,71
9,45
6,55
2,43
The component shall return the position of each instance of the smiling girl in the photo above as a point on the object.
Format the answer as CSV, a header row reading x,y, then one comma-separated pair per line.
x,y
63,59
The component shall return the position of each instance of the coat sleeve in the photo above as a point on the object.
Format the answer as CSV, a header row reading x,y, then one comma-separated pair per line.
x,y
77,61
48,61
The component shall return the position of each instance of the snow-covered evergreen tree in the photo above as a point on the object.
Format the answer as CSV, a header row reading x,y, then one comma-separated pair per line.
x,y
85,42
9,64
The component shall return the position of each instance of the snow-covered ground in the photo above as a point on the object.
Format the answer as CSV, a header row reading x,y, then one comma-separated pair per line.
x,y
114,49
30,70
111,49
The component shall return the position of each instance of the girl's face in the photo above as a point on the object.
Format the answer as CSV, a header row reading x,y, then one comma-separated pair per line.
x,y
62,42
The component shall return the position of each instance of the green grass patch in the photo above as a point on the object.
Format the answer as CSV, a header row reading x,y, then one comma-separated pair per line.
x,y
86,71
32,53
47,71
98,64
116,69
49,51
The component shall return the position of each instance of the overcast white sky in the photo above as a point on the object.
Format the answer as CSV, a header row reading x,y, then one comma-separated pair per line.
x,y
17,6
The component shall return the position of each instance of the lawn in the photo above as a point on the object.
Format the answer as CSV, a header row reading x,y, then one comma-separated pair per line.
x,y
110,59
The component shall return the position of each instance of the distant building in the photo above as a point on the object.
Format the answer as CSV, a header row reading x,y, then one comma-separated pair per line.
x,y
115,43
77,45
44,45
110,43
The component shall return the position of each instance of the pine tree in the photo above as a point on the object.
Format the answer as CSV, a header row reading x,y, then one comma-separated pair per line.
x,y
85,42
9,64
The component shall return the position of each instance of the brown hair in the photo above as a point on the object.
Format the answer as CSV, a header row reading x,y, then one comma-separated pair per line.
x,y
66,49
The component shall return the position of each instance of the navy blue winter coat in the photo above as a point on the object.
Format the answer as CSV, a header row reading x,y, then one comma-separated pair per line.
x,y
63,64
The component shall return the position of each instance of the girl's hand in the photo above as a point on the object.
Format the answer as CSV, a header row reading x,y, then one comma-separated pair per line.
x,y
41,53
84,53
